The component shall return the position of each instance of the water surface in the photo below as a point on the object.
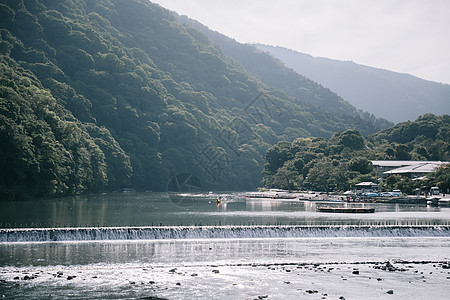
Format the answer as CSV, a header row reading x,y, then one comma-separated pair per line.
x,y
179,247
150,209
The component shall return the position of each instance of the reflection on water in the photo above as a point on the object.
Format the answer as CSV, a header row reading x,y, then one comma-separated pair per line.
x,y
147,209
225,251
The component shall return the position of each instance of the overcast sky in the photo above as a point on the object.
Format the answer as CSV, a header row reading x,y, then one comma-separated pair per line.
x,y
407,36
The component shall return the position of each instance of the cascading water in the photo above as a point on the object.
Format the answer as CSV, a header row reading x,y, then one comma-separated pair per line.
x,y
215,232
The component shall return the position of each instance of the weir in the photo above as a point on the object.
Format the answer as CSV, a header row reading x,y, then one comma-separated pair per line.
x,y
215,232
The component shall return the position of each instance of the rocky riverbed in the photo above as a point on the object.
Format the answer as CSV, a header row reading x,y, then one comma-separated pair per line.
x,y
352,280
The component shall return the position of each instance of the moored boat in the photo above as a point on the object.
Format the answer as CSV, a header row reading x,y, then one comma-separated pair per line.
x,y
348,210
271,195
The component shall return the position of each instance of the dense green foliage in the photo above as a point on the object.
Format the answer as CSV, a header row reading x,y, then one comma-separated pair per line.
x,y
338,163
44,150
441,178
101,95
318,163
427,138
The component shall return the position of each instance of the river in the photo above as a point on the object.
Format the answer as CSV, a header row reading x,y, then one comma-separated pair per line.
x,y
158,245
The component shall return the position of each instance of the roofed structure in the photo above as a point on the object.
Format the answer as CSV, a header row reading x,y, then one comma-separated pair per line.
x,y
410,168
364,187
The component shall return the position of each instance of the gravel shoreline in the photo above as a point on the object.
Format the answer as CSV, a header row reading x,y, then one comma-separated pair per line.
x,y
332,280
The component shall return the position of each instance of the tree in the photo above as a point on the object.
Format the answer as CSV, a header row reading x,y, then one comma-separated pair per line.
x,y
406,185
321,175
442,178
360,164
287,178
401,152
276,156
391,182
350,138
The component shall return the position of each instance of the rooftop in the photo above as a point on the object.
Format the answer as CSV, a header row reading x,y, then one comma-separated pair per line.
x,y
403,163
423,167
369,184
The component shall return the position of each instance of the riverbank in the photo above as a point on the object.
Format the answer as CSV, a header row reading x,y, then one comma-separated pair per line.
x,y
318,280
444,199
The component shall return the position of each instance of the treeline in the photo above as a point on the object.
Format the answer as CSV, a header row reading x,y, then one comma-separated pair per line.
x,y
102,95
338,163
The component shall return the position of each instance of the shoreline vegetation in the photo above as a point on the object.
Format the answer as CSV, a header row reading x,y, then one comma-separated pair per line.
x,y
344,160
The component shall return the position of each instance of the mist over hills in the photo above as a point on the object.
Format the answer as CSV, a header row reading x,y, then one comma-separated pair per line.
x,y
395,96
274,72
101,95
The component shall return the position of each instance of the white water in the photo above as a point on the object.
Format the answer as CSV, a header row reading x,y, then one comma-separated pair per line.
x,y
204,232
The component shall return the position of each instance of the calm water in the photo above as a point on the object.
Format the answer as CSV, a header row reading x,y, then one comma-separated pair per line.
x,y
147,209
315,266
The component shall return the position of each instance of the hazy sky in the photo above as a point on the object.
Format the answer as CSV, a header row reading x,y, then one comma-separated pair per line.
x,y
407,36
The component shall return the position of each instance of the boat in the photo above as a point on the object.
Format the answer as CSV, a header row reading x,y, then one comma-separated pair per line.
x,y
347,210
444,202
438,201
270,195
433,201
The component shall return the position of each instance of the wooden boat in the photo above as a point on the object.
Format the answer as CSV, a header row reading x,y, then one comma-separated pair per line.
x,y
270,195
347,210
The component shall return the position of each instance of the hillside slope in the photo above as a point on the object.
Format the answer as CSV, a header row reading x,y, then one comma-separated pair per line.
x,y
147,97
274,72
394,96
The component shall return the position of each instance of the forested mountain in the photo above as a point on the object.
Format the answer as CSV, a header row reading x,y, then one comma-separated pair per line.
x,y
394,96
338,163
427,138
274,72
101,95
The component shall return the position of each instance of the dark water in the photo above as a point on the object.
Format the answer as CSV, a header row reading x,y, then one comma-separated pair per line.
x,y
138,245
154,209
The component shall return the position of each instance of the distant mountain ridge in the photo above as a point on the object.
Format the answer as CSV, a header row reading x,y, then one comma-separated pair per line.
x,y
395,96
273,72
